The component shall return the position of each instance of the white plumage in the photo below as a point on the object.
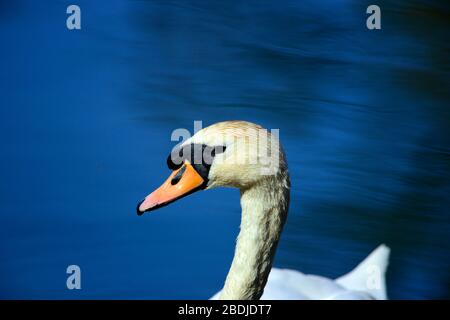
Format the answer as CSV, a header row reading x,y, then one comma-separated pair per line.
x,y
365,282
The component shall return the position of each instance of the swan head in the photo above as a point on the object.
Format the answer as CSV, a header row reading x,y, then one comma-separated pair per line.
x,y
235,154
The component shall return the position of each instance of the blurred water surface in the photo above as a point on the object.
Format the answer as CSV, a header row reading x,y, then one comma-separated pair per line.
x,y
86,118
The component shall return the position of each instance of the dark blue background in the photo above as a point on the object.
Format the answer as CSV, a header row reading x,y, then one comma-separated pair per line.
x,y
86,118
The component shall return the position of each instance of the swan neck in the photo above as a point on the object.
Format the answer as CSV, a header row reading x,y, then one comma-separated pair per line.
x,y
264,211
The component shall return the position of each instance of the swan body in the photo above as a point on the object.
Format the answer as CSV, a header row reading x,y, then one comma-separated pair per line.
x,y
285,284
243,155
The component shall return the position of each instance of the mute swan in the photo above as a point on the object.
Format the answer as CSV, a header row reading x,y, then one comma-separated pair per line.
x,y
243,155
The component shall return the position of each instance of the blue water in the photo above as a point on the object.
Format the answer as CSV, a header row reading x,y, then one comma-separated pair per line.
x,y
86,118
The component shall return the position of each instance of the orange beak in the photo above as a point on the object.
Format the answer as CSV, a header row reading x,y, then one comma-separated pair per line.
x,y
180,183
